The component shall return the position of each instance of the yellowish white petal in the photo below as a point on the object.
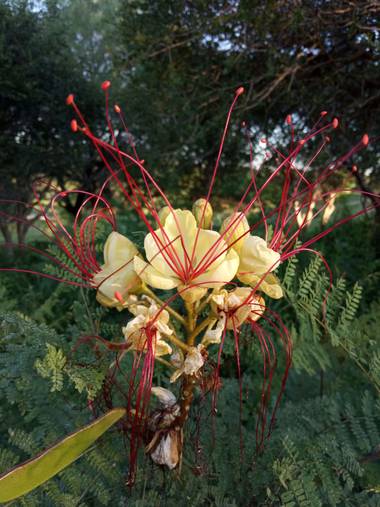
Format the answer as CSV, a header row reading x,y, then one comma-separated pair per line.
x,y
153,277
222,274
256,258
118,248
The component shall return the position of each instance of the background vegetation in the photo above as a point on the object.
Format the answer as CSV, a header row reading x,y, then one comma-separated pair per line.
x,y
174,66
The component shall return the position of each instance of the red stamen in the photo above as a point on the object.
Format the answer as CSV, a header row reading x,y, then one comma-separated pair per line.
x,y
74,125
116,109
240,91
70,99
105,85
119,297
365,139
335,123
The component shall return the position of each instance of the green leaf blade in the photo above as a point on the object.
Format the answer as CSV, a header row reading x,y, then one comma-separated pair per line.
x,y
32,473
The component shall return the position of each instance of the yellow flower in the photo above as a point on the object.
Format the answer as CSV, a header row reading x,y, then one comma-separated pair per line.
x,y
154,319
117,275
233,309
181,255
191,365
257,261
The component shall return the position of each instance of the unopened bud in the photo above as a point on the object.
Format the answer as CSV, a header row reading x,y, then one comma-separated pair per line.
x,y
234,230
202,210
163,214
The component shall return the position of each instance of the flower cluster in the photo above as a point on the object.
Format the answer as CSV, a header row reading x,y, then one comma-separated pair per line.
x,y
219,279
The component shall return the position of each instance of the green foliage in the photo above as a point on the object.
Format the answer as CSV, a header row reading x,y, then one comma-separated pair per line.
x,y
52,367
325,316
318,454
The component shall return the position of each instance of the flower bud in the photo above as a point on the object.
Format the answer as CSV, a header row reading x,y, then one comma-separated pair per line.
x,y
202,210
163,214
234,230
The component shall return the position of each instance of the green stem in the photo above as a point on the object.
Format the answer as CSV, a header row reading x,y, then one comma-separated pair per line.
x,y
177,342
170,310
191,322
165,362
205,323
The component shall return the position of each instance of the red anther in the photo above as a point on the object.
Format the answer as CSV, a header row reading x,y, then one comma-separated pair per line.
x,y
289,119
106,85
70,99
74,125
335,123
327,139
116,109
243,124
302,142
323,113
365,139
240,91
64,193
142,161
119,297
354,168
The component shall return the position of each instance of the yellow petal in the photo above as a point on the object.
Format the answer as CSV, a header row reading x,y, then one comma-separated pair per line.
x,y
152,277
214,336
209,245
113,278
256,258
159,252
162,348
118,249
223,273
257,309
270,285
181,222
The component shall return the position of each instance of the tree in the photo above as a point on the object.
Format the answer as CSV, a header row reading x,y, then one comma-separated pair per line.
x,y
39,66
187,58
